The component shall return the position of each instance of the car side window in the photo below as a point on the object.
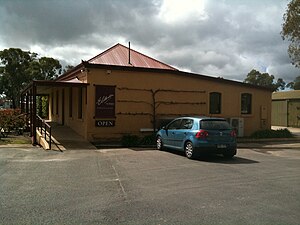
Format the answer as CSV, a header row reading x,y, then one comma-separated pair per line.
x,y
174,125
187,124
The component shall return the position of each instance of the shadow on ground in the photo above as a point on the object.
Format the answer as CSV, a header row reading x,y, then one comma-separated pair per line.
x,y
214,158
222,160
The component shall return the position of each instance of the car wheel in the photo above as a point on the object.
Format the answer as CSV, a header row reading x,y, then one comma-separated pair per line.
x,y
159,143
189,150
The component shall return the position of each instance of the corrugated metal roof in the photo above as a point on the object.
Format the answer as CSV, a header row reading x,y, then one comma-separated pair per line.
x,y
286,95
118,55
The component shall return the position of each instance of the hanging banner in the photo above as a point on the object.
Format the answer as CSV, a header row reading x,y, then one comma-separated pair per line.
x,y
105,101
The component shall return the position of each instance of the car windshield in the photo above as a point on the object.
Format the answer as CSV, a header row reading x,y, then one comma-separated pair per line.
x,y
214,125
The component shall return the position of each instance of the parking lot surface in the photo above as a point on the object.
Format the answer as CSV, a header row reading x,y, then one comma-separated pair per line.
x,y
145,186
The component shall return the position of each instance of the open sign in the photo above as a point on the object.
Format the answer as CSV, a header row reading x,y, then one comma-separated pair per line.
x,y
105,123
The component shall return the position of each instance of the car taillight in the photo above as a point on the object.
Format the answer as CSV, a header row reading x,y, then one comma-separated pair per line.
x,y
202,134
233,133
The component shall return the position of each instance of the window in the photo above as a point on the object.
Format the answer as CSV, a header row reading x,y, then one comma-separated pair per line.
x,y
174,125
79,103
70,102
187,124
214,125
246,103
215,103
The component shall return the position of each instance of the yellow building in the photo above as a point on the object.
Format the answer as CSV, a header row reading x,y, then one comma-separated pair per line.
x,y
122,91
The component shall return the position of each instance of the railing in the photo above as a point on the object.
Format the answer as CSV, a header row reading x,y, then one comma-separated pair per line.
x,y
45,129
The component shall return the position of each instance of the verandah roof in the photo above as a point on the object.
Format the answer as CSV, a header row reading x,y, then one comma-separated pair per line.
x,y
44,87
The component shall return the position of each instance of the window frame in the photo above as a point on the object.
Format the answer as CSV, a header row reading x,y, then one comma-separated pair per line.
x,y
174,122
215,107
184,122
246,103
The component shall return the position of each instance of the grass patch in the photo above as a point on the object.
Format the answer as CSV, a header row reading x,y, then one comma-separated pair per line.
x,y
281,133
17,140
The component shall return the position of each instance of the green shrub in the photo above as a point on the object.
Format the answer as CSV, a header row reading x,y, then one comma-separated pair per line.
x,y
134,141
130,140
12,120
148,140
281,133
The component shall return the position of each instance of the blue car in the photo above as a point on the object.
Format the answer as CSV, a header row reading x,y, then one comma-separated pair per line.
x,y
195,135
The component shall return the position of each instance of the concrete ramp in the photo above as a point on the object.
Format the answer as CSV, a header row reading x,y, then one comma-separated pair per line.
x,y
65,138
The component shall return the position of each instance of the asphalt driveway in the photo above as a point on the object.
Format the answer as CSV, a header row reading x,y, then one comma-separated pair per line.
x,y
145,186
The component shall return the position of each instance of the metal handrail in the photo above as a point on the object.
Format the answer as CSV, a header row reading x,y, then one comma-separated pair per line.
x,y
43,126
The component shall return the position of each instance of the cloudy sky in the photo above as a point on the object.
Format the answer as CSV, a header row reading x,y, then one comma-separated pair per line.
x,y
226,38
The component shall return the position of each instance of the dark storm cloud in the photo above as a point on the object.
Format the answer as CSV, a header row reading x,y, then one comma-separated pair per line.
x,y
229,39
45,21
57,22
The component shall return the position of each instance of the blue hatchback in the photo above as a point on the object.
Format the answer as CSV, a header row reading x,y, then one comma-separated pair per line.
x,y
198,134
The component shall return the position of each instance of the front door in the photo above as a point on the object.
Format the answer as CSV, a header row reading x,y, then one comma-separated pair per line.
x,y
181,133
169,133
